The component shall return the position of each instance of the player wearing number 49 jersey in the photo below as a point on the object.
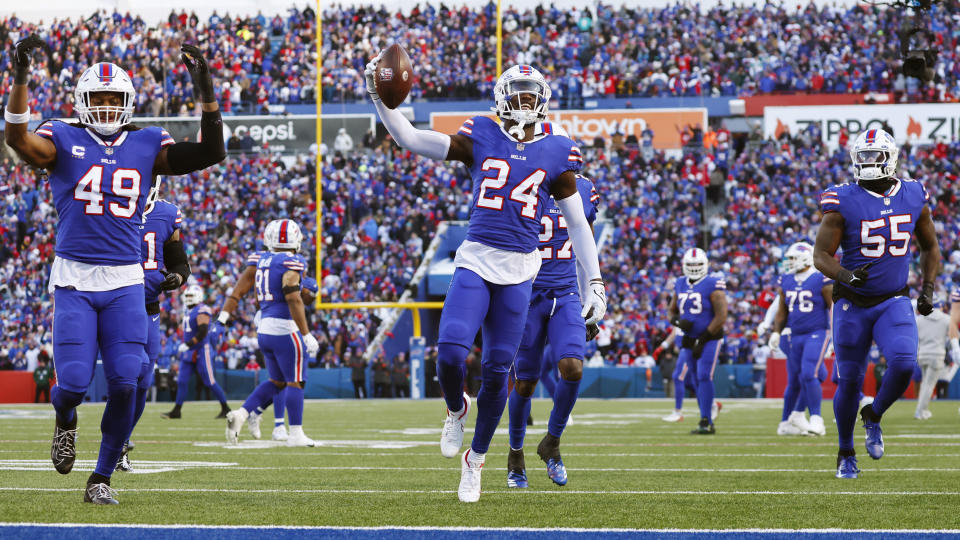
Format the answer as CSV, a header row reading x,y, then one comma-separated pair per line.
x,y
516,166
100,171
874,219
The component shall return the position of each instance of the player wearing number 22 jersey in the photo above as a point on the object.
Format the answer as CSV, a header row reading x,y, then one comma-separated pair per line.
x,y
873,220
516,166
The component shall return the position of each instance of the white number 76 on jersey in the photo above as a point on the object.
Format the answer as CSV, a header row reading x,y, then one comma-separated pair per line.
x,y
125,183
525,192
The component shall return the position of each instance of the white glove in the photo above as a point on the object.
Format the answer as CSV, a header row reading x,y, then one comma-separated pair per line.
x,y
311,344
223,317
762,328
183,348
368,73
595,305
774,341
955,350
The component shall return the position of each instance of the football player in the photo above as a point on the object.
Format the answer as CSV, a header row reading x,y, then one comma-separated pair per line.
x,y
555,313
805,301
516,166
196,352
699,309
282,332
100,172
874,219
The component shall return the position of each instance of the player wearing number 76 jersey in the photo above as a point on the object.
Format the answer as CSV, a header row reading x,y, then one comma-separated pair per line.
x,y
100,171
873,219
515,168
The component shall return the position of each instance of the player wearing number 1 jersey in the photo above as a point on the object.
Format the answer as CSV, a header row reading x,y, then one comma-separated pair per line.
x,y
873,220
100,171
515,167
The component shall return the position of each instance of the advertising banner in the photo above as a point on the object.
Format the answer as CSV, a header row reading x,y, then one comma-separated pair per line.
x,y
666,124
923,123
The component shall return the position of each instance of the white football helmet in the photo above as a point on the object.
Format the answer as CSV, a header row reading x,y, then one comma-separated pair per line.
x,y
874,155
799,257
152,198
282,234
192,296
104,77
515,81
695,263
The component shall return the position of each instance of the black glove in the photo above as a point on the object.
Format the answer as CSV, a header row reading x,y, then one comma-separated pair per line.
x,y
199,72
682,324
702,342
171,281
925,300
21,60
855,278
592,331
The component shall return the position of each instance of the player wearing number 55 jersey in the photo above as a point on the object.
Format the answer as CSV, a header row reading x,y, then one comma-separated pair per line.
x,y
515,167
100,171
873,220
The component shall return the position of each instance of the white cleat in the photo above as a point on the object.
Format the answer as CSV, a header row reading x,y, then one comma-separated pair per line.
x,y
235,420
451,438
923,415
786,428
816,425
469,490
674,416
280,433
298,438
253,425
715,410
864,401
799,420
569,420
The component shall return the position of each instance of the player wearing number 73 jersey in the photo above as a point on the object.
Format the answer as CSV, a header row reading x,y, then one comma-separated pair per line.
x,y
100,171
515,168
873,219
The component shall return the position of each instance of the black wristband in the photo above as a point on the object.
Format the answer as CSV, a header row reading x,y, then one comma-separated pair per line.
x,y
928,287
287,289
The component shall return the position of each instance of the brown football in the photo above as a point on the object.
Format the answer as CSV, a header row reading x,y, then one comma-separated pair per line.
x,y
394,76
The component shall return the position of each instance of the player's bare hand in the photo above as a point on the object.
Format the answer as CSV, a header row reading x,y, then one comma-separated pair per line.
x,y
192,57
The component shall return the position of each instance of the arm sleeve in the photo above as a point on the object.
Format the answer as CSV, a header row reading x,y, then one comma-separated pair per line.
x,y
771,312
186,157
425,142
580,234
175,259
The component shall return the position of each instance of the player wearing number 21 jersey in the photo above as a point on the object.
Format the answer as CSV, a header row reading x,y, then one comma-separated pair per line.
x,y
516,166
100,171
874,219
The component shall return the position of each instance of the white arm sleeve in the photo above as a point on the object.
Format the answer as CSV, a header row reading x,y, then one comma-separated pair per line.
x,y
771,312
425,142
582,282
580,235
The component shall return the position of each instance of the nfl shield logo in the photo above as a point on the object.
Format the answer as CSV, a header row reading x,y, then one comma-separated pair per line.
x,y
386,74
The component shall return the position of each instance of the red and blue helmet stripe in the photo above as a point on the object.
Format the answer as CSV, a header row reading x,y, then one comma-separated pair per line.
x,y
871,136
282,237
105,73
526,70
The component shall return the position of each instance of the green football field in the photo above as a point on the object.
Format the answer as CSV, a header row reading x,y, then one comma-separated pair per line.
x,y
378,464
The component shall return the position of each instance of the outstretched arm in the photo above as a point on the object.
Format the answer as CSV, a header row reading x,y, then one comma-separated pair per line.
x,y
32,148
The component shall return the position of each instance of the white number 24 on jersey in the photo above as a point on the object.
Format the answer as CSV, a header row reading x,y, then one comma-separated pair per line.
x,y
525,192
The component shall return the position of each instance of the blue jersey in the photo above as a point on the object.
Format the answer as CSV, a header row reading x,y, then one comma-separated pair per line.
x,y
99,188
877,229
269,282
511,182
190,324
559,264
693,301
806,308
159,226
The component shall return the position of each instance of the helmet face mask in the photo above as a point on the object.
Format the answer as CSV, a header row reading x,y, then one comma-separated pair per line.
x,y
102,118
519,81
695,264
152,197
874,155
282,234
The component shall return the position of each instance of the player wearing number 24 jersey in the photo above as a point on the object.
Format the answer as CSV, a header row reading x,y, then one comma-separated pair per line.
x,y
515,167
874,219
100,171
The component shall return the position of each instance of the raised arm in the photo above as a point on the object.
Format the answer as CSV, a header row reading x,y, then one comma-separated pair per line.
x,y
32,148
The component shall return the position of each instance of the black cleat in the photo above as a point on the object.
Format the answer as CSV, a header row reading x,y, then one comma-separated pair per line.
x,y
224,409
175,413
100,494
549,452
63,451
530,419
123,464
516,470
704,428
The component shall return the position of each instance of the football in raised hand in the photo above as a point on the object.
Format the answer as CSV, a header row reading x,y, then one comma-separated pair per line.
x,y
394,76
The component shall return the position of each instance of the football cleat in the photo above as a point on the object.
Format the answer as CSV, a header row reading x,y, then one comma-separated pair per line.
x,y
923,415
866,400
63,451
549,452
280,433
298,438
674,416
847,467
786,428
100,494
715,410
224,409
123,464
799,420
874,437
235,420
451,438
816,425
253,425
174,414
705,427
469,489
516,469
